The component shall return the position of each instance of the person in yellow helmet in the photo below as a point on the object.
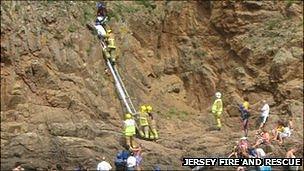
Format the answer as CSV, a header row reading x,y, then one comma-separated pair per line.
x,y
129,129
110,51
152,123
143,122
217,109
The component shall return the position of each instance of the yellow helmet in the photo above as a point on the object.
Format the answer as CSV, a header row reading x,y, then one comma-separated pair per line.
x,y
109,31
143,108
149,108
128,116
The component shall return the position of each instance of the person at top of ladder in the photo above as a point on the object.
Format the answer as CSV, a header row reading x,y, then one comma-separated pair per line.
x,y
101,9
143,122
217,109
101,19
152,123
110,51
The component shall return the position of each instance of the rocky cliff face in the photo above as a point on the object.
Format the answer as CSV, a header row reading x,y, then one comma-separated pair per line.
x,y
58,105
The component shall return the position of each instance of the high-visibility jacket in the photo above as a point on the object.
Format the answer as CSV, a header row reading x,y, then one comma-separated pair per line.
x,y
217,106
129,127
246,105
143,119
111,41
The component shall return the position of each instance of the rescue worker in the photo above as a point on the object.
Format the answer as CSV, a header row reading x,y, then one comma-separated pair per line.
x,y
152,123
110,51
101,19
129,129
217,109
143,122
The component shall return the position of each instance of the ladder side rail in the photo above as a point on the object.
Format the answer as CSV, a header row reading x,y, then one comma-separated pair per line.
x,y
125,90
118,86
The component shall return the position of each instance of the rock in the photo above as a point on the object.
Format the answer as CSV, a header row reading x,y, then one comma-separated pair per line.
x,y
253,5
170,67
15,100
58,99
297,52
233,111
283,56
17,90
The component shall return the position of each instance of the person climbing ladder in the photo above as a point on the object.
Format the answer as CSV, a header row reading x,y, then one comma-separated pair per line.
x,y
110,51
217,109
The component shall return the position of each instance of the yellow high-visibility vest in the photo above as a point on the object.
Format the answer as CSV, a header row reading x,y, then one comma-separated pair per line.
x,y
217,106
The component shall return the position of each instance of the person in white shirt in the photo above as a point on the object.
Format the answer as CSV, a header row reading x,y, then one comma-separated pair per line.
x,y
260,153
104,166
264,113
131,162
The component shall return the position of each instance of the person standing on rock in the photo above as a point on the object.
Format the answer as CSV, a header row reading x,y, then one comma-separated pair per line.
x,y
217,109
104,165
152,124
244,108
264,114
143,122
129,129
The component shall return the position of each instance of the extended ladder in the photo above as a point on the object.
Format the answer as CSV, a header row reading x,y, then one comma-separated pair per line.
x,y
121,88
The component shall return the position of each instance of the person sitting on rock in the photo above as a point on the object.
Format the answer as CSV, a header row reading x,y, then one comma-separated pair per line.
x,y
263,138
234,152
243,148
291,154
279,128
284,134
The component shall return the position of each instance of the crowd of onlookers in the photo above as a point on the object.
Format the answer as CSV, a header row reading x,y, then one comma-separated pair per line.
x,y
264,139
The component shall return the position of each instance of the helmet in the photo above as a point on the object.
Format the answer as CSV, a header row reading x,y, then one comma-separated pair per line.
x,y
143,108
128,116
109,31
149,108
218,95
100,5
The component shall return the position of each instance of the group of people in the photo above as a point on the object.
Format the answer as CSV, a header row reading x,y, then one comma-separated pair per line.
x,y
105,33
264,138
143,122
145,125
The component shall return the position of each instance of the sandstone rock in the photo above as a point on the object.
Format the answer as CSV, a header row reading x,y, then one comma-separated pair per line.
x,y
297,52
14,100
17,90
283,57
